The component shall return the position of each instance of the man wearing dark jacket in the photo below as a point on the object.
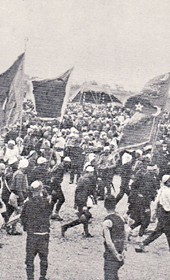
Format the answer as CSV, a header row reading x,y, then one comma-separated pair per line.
x,y
57,195
85,187
35,218
126,172
143,192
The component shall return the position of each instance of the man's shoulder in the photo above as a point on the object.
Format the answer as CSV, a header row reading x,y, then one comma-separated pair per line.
x,y
114,217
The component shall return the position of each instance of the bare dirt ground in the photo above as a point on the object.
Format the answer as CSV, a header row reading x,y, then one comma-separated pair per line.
x,y
76,258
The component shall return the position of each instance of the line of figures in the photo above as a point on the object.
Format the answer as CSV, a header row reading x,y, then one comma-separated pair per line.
x,y
32,169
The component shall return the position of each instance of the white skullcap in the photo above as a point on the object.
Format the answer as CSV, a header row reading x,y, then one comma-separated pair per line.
x,y
67,159
165,178
55,129
113,143
2,165
74,130
139,152
23,163
106,148
126,158
41,160
147,156
90,169
36,185
12,142
19,139
29,130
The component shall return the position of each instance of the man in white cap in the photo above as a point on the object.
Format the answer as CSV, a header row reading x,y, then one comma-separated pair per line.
x,y
57,195
143,192
126,172
40,171
35,218
105,166
85,187
163,214
19,187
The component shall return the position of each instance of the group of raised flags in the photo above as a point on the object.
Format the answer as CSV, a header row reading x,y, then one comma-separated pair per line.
x,y
51,100
50,95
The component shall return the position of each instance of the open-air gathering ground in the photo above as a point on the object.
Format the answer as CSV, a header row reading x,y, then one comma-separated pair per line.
x,y
77,258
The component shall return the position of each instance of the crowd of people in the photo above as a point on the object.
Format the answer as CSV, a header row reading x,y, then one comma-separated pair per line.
x,y
34,159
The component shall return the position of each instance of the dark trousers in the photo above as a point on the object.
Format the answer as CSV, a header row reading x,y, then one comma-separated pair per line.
x,y
36,244
142,219
124,189
75,169
163,226
83,218
111,269
101,187
57,197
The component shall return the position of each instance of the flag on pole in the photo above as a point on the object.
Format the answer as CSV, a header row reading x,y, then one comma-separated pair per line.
x,y
13,107
146,109
11,93
50,96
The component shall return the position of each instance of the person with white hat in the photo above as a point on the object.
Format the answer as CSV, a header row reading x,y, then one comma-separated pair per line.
x,y
40,171
143,192
163,215
57,195
35,218
126,172
19,192
106,168
19,184
85,188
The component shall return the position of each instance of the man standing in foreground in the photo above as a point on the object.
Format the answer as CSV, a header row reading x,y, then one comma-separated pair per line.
x,y
114,240
35,218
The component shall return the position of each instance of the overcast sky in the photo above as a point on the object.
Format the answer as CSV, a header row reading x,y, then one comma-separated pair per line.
x,y
110,41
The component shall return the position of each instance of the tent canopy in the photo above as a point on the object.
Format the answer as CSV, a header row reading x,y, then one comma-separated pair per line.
x,y
93,93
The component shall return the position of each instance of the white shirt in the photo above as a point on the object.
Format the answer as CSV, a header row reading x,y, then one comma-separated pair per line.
x,y
164,197
11,155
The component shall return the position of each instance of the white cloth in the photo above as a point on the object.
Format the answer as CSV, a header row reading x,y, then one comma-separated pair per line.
x,y
11,156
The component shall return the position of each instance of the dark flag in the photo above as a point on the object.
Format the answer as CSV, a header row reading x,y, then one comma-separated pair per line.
x,y
146,109
49,95
156,90
11,93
